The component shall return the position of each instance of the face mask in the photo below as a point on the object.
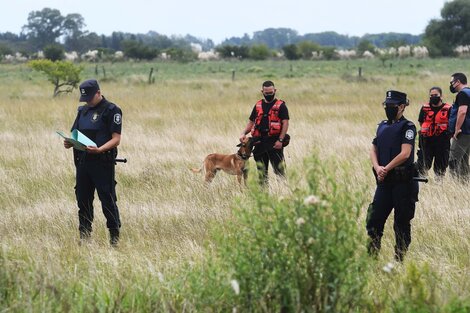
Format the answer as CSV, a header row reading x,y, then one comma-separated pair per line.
x,y
452,89
391,112
434,100
269,98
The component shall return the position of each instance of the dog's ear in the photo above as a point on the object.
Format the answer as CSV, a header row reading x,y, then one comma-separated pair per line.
x,y
239,145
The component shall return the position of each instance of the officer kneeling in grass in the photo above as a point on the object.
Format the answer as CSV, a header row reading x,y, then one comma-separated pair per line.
x,y
392,156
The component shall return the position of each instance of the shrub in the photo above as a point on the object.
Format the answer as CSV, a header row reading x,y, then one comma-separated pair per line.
x,y
288,255
54,52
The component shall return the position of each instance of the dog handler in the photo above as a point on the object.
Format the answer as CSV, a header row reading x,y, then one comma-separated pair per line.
x,y
392,156
268,122
101,121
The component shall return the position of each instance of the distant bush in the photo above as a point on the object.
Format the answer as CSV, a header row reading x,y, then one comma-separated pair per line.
x,y
291,52
54,52
259,52
137,50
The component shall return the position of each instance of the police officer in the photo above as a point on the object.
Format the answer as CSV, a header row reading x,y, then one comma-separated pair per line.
x,y
434,137
392,157
101,121
268,123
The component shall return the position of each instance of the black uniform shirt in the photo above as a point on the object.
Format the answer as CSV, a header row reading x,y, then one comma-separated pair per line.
x,y
99,122
462,98
391,136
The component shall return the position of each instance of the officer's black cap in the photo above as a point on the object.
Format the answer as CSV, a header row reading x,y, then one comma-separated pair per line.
x,y
88,90
395,97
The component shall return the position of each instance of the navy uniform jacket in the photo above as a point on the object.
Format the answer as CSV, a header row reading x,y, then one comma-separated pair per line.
x,y
390,137
99,122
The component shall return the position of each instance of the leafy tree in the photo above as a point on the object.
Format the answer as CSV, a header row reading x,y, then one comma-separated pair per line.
x,y
229,51
46,26
64,75
329,53
275,38
181,54
259,52
363,46
443,35
307,48
291,52
5,50
54,52
137,50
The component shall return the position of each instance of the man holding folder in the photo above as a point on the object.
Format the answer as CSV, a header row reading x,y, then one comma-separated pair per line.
x,y
100,121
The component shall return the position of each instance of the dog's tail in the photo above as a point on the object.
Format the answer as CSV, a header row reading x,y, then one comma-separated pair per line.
x,y
196,170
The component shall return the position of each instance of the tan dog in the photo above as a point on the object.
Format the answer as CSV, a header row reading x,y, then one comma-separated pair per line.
x,y
233,164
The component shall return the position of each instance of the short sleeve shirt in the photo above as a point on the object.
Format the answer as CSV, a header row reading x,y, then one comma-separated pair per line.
x,y
462,99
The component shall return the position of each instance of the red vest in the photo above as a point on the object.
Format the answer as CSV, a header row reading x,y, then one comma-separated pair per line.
x,y
273,119
434,124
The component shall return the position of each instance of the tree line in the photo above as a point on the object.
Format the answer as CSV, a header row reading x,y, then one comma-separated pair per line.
x,y
49,30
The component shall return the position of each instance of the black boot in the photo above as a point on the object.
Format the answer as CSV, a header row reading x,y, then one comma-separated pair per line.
x,y
85,236
373,247
114,236
399,254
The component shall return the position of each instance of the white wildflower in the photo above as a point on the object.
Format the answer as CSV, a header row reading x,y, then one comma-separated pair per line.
x,y
160,277
388,268
235,286
311,200
300,221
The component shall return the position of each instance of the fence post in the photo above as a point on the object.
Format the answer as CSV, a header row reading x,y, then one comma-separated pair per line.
x,y
150,75
233,75
360,71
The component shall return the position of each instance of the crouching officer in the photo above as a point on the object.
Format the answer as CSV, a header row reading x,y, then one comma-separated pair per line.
x,y
101,121
392,157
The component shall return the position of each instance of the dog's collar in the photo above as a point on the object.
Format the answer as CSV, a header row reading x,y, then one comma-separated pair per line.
x,y
241,156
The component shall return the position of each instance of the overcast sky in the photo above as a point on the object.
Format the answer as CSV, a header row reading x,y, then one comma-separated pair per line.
x,y
218,19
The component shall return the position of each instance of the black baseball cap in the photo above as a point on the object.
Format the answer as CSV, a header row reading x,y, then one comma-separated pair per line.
x,y
395,97
88,90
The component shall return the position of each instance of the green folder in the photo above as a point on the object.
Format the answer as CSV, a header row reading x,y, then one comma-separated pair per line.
x,y
77,139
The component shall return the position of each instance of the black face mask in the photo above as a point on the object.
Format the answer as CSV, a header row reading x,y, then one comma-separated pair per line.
x,y
452,89
434,100
269,98
391,112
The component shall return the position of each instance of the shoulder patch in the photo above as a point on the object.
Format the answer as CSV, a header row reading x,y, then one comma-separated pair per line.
x,y
117,118
80,108
410,134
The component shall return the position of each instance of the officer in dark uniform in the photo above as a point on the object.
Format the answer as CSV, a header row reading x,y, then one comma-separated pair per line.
x,y
101,121
268,123
392,157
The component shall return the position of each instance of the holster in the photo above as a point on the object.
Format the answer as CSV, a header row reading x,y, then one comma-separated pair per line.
x,y
107,157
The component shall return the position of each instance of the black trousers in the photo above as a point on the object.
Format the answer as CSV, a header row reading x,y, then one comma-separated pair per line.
x,y
435,148
264,153
96,175
402,198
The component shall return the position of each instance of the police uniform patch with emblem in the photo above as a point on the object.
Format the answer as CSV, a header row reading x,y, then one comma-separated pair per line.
x,y
117,118
94,117
410,134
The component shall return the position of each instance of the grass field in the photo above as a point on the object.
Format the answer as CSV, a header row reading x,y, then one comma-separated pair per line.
x,y
169,215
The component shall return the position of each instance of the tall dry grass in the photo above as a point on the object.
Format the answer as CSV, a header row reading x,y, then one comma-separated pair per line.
x,y
166,210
